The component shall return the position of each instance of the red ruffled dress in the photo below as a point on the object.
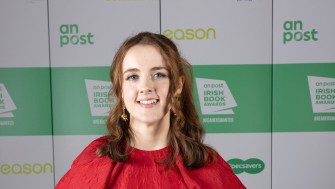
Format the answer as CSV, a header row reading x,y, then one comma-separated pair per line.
x,y
141,171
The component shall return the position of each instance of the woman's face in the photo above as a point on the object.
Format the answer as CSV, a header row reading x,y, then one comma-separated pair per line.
x,y
145,85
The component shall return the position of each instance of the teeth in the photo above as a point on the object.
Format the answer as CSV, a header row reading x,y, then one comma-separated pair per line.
x,y
148,101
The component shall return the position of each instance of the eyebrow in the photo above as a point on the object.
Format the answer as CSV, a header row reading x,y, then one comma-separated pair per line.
x,y
152,69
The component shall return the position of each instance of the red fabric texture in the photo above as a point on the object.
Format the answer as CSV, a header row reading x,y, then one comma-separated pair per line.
x,y
141,171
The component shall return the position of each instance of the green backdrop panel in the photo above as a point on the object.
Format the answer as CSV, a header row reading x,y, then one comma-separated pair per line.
x,y
71,101
249,89
292,104
25,101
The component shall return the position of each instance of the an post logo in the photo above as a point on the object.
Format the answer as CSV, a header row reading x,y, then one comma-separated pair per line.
x,y
69,34
322,91
215,96
6,103
294,31
100,102
190,34
251,166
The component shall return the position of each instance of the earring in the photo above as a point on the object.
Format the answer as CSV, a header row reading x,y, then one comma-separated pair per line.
x,y
173,113
177,97
124,115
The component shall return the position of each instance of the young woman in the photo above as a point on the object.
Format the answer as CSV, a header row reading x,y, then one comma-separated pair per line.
x,y
155,137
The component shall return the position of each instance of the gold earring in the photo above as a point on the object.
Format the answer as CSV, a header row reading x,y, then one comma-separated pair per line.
x,y
124,115
177,97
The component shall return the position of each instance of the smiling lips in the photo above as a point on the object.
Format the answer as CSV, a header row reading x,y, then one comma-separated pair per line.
x,y
146,102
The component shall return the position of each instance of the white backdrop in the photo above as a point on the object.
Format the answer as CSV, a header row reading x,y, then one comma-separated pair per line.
x,y
244,40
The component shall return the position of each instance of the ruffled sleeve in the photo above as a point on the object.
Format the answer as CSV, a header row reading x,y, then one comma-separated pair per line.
x,y
88,170
218,175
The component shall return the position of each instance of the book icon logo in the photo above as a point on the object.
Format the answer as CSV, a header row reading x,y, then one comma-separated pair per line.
x,y
6,103
215,97
98,97
322,91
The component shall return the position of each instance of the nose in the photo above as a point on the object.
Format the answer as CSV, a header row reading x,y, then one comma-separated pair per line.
x,y
145,91
146,86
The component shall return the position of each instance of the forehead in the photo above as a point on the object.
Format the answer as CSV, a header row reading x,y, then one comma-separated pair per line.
x,y
142,56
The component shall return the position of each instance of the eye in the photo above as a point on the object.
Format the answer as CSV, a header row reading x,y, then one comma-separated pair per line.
x,y
132,77
159,75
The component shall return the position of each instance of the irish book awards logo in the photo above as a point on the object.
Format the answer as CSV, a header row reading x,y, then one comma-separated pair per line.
x,y
6,103
99,100
70,35
295,31
215,96
322,91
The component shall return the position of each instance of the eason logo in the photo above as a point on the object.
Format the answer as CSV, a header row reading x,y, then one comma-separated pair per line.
x,y
190,34
251,166
26,169
322,91
98,97
69,34
6,103
215,96
294,31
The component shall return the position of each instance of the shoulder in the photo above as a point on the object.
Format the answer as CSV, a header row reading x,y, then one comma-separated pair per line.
x,y
213,175
89,153
88,166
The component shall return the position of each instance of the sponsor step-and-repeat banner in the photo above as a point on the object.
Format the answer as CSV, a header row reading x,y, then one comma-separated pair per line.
x,y
82,45
26,153
303,94
232,71
264,83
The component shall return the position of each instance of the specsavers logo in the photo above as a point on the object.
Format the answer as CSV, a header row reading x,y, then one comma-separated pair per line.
x,y
251,166
100,102
26,169
6,103
322,91
295,31
215,96
69,35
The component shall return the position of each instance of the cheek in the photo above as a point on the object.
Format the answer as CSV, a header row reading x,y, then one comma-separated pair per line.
x,y
129,92
163,90
164,93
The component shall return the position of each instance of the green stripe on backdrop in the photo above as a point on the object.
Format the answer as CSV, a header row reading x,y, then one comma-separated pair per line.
x,y
250,85
292,105
25,101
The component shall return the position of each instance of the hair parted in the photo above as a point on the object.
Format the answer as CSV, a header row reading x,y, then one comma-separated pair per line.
x,y
186,133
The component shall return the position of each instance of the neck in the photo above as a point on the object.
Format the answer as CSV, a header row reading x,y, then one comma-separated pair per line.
x,y
150,136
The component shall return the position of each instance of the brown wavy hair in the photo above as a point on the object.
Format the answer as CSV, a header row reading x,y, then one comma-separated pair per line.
x,y
186,133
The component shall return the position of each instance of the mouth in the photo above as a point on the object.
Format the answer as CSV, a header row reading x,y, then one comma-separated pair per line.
x,y
146,102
